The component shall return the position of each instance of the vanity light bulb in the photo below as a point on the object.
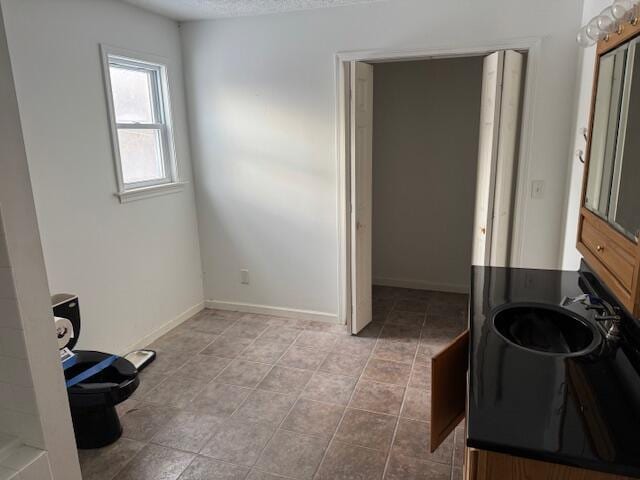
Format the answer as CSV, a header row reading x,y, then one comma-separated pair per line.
x,y
606,22
623,10
583,39
619,11
592,30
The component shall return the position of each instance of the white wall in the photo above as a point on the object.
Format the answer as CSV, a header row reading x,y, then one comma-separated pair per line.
x,y
584,81
261,95
135,266
33,399
425,148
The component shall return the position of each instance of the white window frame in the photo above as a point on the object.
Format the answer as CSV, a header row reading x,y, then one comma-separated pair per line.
x,y
162,111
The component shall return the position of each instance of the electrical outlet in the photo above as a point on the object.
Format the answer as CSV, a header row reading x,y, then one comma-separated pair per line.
x,y
244,277
537,189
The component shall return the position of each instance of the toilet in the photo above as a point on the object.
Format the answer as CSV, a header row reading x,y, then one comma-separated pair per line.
x,y
96,381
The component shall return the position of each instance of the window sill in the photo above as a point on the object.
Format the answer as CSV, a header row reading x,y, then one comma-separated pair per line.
x,y
148,192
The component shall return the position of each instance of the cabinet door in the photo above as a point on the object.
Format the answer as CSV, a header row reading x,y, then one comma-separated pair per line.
x,y
448,388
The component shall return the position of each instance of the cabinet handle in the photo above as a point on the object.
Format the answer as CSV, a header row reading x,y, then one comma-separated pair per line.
x,y
599,248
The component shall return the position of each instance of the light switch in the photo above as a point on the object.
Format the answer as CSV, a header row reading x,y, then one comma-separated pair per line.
x,y
244,277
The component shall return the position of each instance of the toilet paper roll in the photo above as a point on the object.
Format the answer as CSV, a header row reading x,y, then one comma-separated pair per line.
x,y
64,329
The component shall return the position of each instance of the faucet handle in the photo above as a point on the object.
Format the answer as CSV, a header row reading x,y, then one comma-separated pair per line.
x,y
585,299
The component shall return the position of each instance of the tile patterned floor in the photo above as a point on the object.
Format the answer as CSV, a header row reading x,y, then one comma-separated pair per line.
x,y
252,397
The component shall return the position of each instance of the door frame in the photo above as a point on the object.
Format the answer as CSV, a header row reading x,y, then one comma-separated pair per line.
x,y
530,45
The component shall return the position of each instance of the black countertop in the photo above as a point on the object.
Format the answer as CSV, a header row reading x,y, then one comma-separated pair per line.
x,y
582,411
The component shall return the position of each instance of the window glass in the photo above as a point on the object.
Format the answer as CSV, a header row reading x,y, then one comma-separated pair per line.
x,y
141,155
132,94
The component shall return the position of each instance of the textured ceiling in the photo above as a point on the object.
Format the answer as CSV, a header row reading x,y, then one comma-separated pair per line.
x,y
202,9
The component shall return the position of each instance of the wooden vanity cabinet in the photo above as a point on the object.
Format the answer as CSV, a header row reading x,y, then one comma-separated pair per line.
x,y
485,465
613,257
449,382
609,222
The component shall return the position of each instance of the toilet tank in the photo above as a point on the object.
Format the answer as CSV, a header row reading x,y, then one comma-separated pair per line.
x,y
66,305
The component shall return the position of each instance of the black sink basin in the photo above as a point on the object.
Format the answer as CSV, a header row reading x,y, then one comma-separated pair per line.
x,y
545,329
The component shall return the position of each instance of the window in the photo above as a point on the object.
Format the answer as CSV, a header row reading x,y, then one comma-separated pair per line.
x,y
138,100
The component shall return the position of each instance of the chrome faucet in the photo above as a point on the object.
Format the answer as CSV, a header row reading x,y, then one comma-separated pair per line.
x,y
606,312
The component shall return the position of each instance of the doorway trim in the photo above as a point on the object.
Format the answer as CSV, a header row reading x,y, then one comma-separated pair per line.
x,y
532,45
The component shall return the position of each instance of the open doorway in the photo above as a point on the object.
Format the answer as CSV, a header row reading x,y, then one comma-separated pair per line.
x,y
431,171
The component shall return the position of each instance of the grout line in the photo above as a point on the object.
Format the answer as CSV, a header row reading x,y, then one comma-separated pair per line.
x,y
253,390
404,399
293,404
335,433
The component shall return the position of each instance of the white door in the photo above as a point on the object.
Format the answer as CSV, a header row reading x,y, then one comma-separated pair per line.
x,y
501,82
361,193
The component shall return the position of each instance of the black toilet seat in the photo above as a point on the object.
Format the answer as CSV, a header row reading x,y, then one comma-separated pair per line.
x,y
108,387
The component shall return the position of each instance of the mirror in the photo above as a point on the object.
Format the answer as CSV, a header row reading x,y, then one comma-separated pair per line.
x,y
614,159
625,197
605,131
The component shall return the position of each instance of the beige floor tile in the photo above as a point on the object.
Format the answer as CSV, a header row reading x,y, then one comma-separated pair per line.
x,y
279,334
265,352
378,397
266,406
285,380
406,318
367,429
400,333
304,358
386,371
239,441
213,323
328,388
185,341
166,362
155,462
176,391
204,468
395,351
348,462
412,440
313,418
104,463
417,404
227,346
259,475
341,363
406,468
411,305
144,421
149,379
203,368
219,400
247,328
420,376
293,455
187,431
359,346
243,373
317,340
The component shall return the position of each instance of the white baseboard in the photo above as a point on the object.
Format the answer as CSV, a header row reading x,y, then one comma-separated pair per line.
x,y
420,285
269,310
171,324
